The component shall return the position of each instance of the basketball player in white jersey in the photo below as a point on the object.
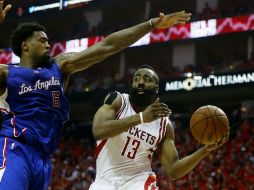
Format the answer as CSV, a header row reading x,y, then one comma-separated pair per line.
x,y
129,128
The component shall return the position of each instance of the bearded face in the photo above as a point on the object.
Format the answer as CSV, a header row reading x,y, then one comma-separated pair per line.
x,y
144,89
39,49
142,98
46,59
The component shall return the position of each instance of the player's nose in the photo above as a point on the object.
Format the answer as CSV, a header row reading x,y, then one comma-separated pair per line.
x,y
141,81
141,85
47,46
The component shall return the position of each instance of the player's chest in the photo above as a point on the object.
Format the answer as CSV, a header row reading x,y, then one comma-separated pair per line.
x,y
33,75
147,134
31,80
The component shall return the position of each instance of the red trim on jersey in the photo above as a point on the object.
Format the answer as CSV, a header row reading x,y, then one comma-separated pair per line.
x,y
164,128
15,132
159,139
99,147
4,153
162,131
118,114
150,180
161,121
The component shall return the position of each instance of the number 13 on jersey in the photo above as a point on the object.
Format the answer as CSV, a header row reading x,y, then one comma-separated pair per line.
x,y
132,145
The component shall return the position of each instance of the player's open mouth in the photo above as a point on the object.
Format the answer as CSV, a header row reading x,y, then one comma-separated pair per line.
x,y
141,91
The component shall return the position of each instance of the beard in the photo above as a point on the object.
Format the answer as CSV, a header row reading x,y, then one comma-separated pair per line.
x,y
46,60
142,100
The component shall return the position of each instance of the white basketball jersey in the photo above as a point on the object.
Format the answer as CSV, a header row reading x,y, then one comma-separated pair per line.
x,y
130,153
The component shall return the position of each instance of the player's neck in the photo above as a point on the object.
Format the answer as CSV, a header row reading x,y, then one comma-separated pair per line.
x,y
27,62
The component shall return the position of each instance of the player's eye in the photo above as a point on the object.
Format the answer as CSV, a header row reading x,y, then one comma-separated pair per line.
x,y
148,79
43,40
136,79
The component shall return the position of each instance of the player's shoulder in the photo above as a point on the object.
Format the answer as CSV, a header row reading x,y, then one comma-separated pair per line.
x,y
3,67
114,99
3,70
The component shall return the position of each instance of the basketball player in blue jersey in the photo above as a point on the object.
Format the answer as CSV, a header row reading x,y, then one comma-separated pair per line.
x,y
33,100
129,128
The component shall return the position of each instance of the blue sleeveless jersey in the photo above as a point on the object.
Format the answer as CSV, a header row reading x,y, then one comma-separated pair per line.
x,y
36,106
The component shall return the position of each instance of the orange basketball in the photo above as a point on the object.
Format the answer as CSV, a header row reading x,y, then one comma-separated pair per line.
x,y
209,124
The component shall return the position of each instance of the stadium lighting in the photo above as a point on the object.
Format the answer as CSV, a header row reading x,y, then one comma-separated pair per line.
x,y
72,2
59,5
43,7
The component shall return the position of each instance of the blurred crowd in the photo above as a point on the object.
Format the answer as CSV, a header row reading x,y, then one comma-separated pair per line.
x,y
108,78
106,26
229,168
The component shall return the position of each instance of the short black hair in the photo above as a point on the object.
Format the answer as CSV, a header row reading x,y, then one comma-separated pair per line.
x,y
22,33
151,68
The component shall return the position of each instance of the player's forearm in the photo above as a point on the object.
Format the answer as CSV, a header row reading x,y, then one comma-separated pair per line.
x,y
124,38
113,128
185,165
110,45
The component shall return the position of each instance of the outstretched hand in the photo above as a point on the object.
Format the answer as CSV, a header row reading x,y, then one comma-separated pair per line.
x,y
166,21
4,11
212,147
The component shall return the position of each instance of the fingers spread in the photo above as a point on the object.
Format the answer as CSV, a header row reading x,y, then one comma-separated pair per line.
x,y
186,15
160,106
1,4
161,15
181,22
157,100
163,112
7,8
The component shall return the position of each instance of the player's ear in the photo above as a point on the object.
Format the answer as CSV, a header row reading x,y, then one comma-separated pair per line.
x,y
24,46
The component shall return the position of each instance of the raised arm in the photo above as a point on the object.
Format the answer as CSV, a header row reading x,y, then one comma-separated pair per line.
x,y
4,11
105,124
175,167
117,42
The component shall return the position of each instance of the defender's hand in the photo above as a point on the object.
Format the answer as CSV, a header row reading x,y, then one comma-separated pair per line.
x,y
156,110
4,11
166,21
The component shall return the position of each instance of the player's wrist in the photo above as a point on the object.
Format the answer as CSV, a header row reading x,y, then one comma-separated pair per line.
x,y
206,150
151,23
141,117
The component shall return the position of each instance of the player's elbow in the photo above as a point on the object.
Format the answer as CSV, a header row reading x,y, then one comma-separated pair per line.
x,y
174,175
97,134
